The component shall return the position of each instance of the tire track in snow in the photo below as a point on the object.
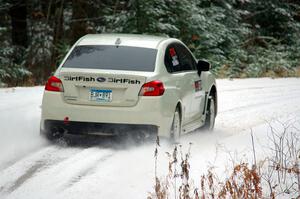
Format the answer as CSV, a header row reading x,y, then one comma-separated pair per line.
x,y
86,171
29,173
1,188
23,170
63,174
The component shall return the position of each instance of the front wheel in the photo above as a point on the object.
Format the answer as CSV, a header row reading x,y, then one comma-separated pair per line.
x,y
210,114
176,126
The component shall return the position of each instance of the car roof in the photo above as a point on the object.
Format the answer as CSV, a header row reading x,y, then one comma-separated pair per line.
x,y
136,40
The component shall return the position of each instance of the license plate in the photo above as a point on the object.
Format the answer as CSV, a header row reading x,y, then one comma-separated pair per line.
x,y
101,95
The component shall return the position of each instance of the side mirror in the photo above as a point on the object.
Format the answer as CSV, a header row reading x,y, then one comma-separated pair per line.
x,y
202,66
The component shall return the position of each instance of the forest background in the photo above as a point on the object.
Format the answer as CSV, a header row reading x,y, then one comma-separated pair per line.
x,y
241,38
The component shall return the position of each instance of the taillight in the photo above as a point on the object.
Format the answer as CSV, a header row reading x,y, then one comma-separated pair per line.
x,y
153,88
54,84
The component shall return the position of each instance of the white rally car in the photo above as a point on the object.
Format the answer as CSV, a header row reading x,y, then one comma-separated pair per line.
x,y
113,83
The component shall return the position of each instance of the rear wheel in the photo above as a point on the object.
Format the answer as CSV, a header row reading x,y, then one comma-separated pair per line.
x,y
210,114
176,126
53,133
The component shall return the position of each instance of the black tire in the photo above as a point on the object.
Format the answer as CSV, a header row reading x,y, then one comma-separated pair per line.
x,y
176,126
210,114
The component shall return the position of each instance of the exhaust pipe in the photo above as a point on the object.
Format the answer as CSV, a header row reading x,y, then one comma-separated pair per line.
x,y
58,132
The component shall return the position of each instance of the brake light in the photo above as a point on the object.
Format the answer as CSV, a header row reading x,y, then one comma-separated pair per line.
x,y
54,84
153,88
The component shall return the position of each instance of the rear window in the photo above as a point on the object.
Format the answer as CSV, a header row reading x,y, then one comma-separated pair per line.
x,y
112,58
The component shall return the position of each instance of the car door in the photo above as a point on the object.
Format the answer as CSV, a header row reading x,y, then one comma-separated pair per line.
x,y
181,78
188,64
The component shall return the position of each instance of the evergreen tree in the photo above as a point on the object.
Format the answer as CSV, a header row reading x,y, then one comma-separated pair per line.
x,y
241,38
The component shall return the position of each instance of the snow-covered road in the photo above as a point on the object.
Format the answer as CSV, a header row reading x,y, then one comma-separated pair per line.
x,y
34,169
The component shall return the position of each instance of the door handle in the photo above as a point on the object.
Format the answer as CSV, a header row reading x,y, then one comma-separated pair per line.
x,y
177,84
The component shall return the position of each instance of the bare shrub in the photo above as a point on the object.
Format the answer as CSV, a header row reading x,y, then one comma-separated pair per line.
x,y
276,175
281,169
242,183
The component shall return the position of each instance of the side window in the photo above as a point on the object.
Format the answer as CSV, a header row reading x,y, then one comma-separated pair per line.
x,y
187,61
172,59
178,58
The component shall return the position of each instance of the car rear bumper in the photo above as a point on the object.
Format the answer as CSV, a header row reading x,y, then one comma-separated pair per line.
x,y
149,111
104,129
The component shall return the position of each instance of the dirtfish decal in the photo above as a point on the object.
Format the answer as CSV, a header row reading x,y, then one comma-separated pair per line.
x,y
102,79
123,80
79,78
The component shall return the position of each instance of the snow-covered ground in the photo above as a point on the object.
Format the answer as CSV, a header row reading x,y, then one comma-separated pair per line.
x,y
32,168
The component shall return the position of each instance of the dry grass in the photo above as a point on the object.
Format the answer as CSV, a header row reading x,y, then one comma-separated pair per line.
x,y
276,176
297,71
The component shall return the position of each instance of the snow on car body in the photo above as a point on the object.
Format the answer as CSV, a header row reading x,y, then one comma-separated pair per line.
x,y
129,81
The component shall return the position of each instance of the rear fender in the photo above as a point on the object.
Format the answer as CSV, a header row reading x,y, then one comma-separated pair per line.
x,y
209,85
